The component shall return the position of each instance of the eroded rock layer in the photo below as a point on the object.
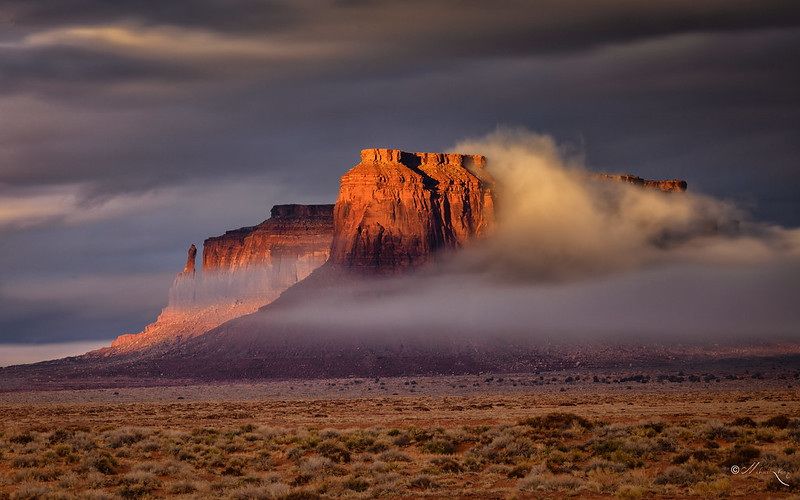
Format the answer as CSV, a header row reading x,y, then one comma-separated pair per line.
x,y
395,209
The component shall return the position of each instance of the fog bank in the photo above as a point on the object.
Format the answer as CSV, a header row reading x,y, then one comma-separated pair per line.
x,y
572,257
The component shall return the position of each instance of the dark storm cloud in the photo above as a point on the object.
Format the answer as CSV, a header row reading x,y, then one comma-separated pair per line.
x,y
454,26
79,308
174,121
70,71
185,87
229,15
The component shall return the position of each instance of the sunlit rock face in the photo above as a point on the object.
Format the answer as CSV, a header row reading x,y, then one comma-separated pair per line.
x,y
243,270
395,209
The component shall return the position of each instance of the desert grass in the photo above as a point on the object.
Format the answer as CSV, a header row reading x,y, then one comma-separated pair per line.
x,y
547,456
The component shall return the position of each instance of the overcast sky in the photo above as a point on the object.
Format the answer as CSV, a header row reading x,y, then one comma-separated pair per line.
x,y
130,129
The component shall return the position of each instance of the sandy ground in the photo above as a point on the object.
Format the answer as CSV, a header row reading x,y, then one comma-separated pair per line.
x,y
400,402
433,404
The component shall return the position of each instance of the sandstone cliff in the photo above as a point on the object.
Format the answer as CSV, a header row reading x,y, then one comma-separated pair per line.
x,y
243,270
395,209
262,261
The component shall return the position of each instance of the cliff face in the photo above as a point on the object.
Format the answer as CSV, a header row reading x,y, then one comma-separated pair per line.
x,y
262,261
396,208
243,270
291,232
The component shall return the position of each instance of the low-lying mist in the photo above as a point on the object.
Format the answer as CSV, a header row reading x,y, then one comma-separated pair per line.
x,y
554,223
573,257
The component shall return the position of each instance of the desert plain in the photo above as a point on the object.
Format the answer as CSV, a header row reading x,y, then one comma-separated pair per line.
x,y
723,432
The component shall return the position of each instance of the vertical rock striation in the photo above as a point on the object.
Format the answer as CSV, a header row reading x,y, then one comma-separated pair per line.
x,y
395,209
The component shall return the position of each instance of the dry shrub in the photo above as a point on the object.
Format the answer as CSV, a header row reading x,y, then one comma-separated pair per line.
x,y
82,441
316,464
25,461
379,466
29,491
518,471
680,476
715,429
97,495
137,484
381,445
169,468
301,495
422,481
335,451
294,454
447,464
273,490
506,449
394,456
124,436
602,480
604,466
21,438
59,436
329,434
561,421
707,489
59,495
262,461
778,421
47,474
498,469
741,455
743,422
540,479
150,444
439,447
69,480
359,440
641,448
354,483
95,480
629,492
250,492
101,461
385,484
234,468
183,486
